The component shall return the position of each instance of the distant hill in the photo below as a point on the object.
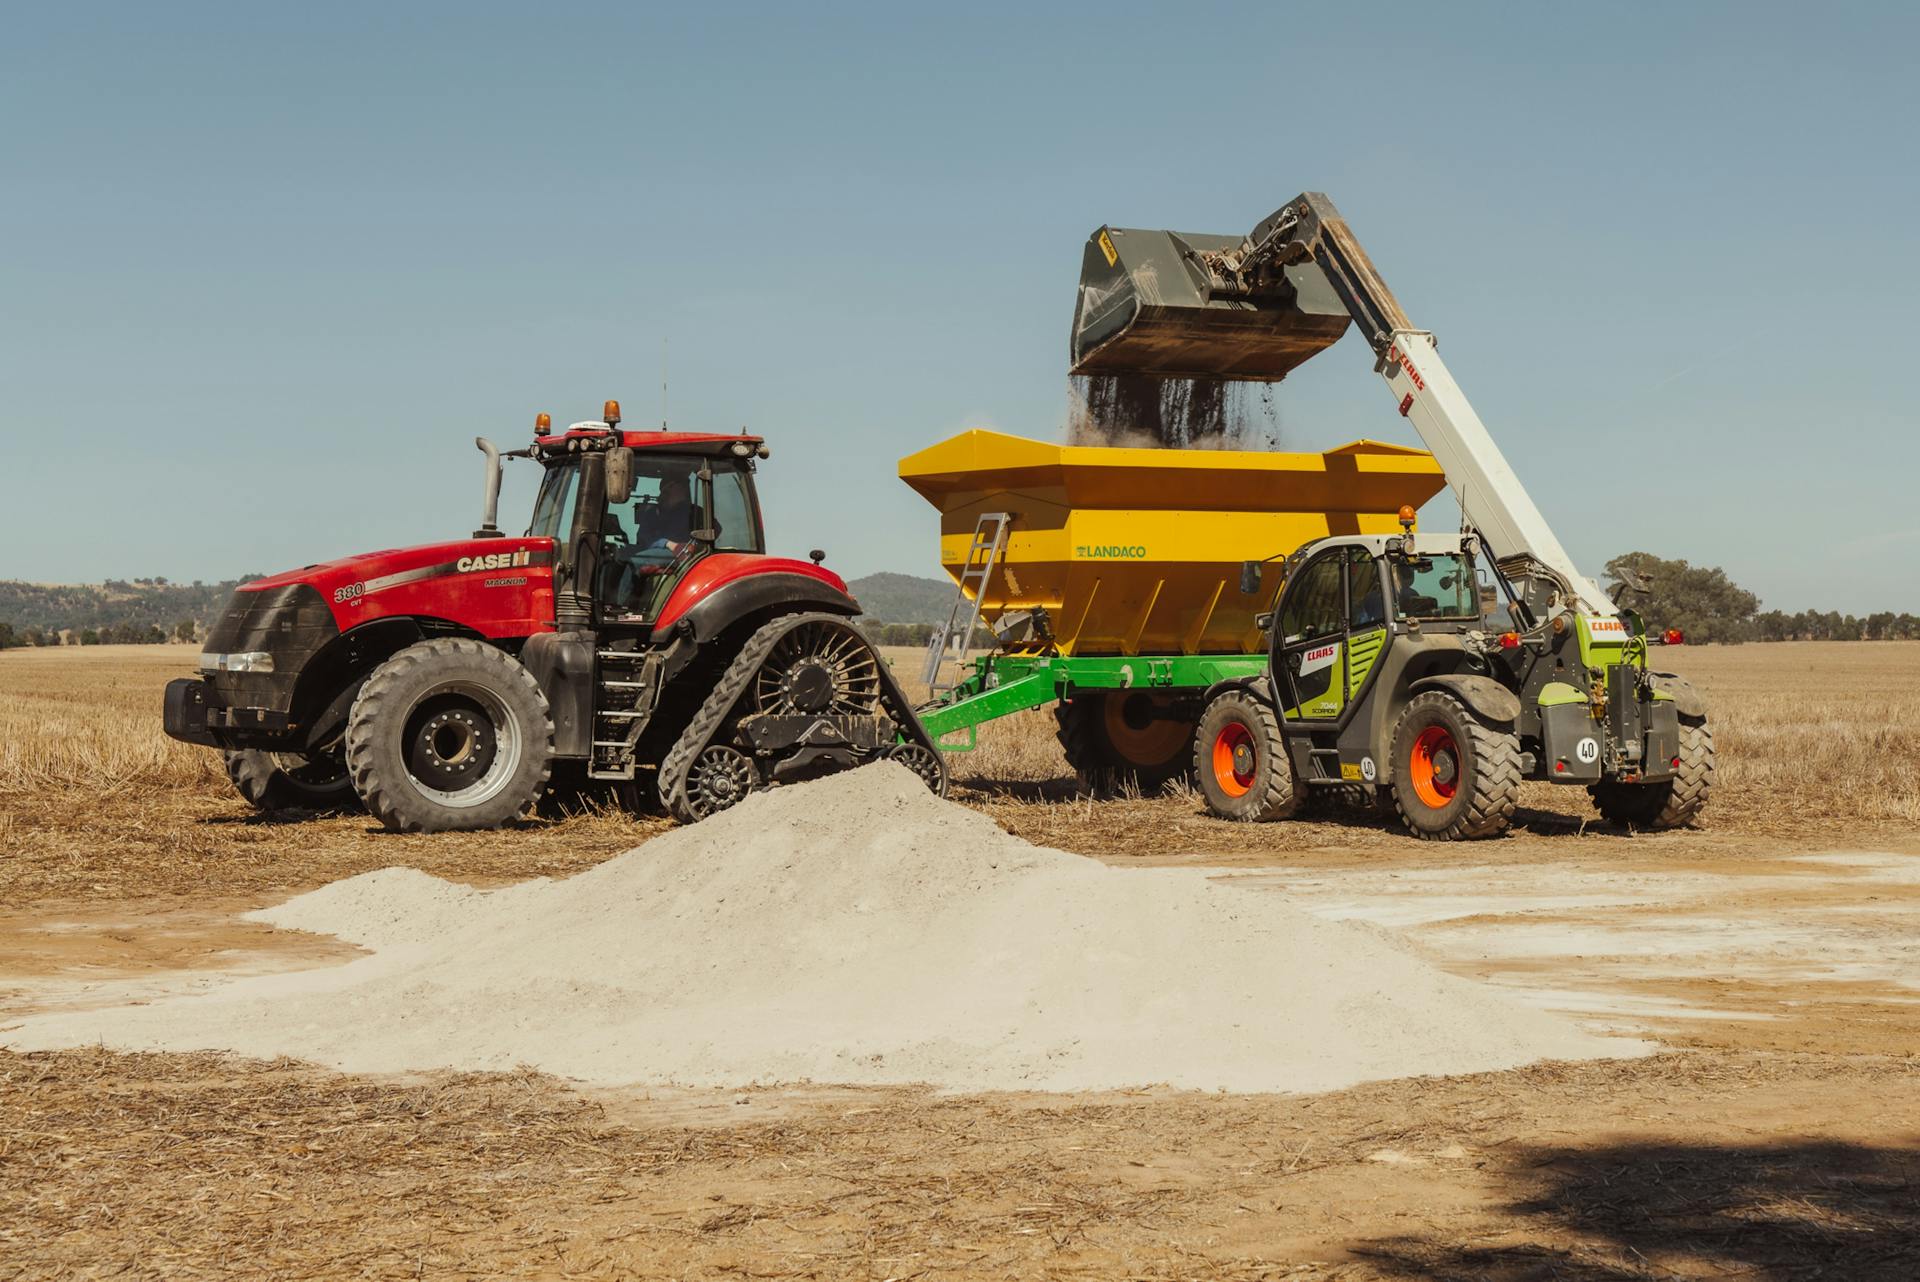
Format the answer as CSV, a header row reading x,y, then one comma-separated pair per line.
x,y
133,607
903,598
118,604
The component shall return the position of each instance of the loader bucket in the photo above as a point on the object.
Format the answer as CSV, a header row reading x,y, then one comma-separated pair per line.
x,y
1138,551
1146,307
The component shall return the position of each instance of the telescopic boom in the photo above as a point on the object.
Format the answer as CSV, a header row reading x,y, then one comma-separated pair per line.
x,y
1169,304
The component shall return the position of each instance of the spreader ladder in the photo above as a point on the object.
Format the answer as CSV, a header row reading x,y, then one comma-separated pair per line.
x,y
951,642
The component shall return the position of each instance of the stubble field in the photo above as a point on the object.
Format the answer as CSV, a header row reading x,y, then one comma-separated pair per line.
x,y
1771,949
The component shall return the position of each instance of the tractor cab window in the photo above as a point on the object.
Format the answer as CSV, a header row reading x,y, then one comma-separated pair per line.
x,y
646,533
1435,587
735,517
666,507
1315,602
651,533
553,507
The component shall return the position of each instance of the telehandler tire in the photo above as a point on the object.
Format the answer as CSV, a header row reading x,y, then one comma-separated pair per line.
x,y
1121,740
1455,777
1240,757
288,781
1670,803
449,735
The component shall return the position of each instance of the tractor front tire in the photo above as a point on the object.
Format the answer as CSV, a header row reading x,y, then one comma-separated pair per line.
x,y
449,735
1455,777
1670,803
1121,740
1240,757
290,781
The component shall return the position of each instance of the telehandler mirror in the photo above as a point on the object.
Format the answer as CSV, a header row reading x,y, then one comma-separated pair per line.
x,y
619,474
1249,577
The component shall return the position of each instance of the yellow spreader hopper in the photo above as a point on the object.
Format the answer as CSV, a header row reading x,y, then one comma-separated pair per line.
x,y
1138,551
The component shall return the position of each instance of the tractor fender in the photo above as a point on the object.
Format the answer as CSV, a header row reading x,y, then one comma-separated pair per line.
x,y
1687,700
764,592
1484,695
324,688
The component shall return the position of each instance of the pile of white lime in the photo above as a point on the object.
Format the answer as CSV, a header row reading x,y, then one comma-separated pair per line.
x,y
852,930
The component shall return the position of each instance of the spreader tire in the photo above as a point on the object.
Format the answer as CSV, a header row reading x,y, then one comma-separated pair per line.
x,y
449,735
1670,803
1240,758
1117,740
287,781
1455,777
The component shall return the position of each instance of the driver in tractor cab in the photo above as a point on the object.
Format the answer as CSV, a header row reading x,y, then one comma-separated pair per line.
x,y
649,534
668,523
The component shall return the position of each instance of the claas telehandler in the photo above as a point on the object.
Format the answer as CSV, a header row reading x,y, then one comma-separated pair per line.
x,y
1428,672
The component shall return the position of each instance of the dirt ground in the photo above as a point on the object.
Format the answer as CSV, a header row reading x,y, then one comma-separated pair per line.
x,y
1773,952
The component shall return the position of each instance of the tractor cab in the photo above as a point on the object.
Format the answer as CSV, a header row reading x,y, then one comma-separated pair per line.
x,y
631,513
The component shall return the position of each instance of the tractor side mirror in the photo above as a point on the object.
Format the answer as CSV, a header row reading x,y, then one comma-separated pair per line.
x,y
619,474
705,534
1249,577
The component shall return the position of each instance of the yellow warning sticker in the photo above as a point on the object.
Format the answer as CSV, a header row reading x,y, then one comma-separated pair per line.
x,y
1106,247
1349,772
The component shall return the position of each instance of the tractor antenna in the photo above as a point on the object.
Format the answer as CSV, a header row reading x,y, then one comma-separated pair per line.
x,y
663,384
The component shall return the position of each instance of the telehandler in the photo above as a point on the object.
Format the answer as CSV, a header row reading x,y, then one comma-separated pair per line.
x,y
1431,672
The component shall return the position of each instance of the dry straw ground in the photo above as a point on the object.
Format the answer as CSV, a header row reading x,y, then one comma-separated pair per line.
x,y
1732,1159
1817,740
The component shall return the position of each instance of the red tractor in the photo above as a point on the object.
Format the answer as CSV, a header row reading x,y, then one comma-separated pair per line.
x,y
638,629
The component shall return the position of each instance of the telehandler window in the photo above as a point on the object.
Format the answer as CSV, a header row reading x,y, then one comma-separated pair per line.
x,y
1436,587
1368,600
1316,604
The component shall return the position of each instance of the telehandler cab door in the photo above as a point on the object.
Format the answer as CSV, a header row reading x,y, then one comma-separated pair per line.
x,y
1329,630
1310,640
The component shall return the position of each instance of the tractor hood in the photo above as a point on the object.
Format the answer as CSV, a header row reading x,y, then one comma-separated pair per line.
x,y
499,587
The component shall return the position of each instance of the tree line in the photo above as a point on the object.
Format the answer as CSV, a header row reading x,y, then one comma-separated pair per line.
x,y
186,630
1708,606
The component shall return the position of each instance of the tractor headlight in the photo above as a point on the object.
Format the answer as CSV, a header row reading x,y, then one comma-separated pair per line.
x,y
244,661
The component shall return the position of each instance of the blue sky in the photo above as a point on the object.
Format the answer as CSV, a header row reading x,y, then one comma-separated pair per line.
x,y
268,270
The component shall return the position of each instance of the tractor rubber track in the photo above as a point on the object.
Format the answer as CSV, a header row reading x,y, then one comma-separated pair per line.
x,y
727,693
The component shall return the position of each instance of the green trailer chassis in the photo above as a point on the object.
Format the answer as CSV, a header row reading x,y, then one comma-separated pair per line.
x,y
1003,684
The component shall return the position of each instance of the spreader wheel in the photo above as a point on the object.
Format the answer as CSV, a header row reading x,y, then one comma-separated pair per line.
x,y
1671,803
1454,775
1240,757
1121,739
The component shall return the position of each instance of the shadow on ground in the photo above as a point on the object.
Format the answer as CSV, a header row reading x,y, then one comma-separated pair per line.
x,y
1657,1210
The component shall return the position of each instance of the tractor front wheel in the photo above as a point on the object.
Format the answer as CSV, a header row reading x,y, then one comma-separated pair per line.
x,y
1240,756
449,735
1670,803
290,780
1455,776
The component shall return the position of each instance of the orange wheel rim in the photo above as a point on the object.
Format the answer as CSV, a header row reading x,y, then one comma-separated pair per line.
x,y
1233,759
1435,767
